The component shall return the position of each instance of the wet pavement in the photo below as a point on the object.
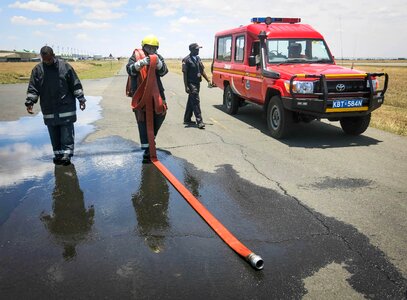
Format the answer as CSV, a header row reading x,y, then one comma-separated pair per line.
x,y
110,227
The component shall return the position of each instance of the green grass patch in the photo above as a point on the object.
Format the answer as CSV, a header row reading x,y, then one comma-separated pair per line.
x,y
20,72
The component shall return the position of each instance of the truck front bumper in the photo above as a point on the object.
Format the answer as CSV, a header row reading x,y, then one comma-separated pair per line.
x,y
324,108
323,104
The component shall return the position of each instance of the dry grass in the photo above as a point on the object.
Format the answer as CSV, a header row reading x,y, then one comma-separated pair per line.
x,y
392,116
21,71
174,65
12,72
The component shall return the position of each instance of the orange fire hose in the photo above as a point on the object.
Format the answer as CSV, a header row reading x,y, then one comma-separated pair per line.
x,y
150,95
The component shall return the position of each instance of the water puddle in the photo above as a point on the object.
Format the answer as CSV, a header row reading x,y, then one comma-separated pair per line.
x,y
25,148
109,226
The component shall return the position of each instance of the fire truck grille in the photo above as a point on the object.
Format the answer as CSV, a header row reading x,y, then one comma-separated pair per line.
x,y
343,86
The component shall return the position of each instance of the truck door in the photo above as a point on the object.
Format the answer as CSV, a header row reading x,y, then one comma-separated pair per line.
x,y
253,79
239,68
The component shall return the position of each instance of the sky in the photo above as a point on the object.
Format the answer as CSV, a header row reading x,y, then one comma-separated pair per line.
x,y
352,29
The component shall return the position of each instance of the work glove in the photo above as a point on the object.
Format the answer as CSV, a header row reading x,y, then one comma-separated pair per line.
x,y
29,105
82,104
141,63
159,64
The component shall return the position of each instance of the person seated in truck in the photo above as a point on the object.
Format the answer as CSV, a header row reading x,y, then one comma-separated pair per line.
x,y
255,51
294,51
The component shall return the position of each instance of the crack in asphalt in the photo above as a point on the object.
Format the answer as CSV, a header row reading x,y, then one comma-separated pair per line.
x,y
345,241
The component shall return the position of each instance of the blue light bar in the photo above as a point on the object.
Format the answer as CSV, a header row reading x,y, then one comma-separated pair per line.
x,y
269,20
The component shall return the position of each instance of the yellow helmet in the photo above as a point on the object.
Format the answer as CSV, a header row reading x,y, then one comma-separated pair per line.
x,y
151,40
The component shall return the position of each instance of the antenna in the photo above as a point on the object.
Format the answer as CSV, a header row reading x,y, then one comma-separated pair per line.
x,y
340,35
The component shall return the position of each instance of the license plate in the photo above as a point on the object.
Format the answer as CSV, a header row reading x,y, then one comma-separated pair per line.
x,y
347,103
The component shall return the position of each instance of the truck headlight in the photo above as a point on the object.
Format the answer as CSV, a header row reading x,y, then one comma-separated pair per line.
x,y
375,84
300,87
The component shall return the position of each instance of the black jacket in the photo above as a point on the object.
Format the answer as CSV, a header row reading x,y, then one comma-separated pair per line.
x,y
131,70
56,86
193,69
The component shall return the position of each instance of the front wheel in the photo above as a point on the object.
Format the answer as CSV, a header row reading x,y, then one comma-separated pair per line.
x,y
230,101
355,125
279,120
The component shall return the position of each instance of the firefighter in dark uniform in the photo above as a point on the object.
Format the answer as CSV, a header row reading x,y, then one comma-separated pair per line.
x,y
193,70
56,84
138,63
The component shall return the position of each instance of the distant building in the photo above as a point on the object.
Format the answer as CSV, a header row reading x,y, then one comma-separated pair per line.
x,y
17,56
9,57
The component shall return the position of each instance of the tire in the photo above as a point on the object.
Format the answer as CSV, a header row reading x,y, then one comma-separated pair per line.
x,y
279,120
355,125
230,101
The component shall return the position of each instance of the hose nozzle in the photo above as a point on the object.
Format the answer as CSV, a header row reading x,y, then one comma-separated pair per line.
x,y
255,260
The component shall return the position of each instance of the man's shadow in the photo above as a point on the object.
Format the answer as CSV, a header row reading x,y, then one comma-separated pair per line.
x,y
151,206
70,222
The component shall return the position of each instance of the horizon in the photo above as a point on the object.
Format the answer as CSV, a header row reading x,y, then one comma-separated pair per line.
x,y
99,27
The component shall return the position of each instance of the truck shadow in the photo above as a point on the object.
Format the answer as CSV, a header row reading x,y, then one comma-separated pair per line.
x,y
315,134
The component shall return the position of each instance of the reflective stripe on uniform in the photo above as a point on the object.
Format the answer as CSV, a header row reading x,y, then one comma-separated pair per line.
x,y
67,151
58,152
32,96
49,116
144,146
67,114
61,115
78,92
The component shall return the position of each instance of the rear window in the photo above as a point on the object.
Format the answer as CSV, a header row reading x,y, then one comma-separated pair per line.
x,y
224,48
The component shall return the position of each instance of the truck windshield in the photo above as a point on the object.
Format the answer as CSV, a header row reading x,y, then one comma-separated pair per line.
x,y
297,51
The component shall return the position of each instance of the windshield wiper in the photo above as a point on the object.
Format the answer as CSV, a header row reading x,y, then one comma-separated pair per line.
x,y
293,60
325,60
297,60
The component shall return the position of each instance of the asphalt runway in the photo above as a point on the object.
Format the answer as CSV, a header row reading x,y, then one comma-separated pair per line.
x,y
325,211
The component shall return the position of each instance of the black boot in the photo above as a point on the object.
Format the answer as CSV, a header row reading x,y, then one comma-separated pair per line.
x,y
146,157
57,160
66,160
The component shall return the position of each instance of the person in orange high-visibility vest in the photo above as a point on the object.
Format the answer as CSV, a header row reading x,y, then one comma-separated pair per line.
x,y
137,70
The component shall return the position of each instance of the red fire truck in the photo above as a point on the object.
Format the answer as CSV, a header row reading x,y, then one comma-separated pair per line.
x,y
288,69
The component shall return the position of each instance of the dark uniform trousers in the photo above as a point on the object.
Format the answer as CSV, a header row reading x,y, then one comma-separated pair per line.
x,y
142,128
62,138
193,104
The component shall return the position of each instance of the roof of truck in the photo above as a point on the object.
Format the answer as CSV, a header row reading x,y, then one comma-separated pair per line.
x,y
276,30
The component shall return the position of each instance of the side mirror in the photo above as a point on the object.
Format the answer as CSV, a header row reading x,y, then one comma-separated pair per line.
x,y
252,61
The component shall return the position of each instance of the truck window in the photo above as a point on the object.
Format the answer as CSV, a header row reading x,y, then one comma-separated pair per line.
x,y
224,49
239,48
297,51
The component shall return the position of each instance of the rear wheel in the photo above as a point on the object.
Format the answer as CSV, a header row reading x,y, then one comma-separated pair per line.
x,y
279,120
355,125
230,101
